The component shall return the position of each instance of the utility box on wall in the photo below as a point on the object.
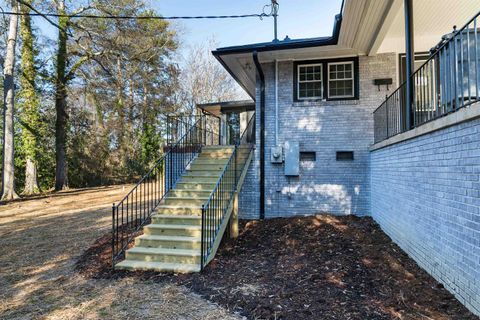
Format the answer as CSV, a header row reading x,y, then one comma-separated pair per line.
x,y
276,155
292,158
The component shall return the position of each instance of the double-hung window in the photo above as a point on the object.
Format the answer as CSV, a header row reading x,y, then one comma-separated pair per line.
x,y
310,81
326,79
340,80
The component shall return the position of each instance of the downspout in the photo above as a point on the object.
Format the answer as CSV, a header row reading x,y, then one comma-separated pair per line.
x,y
276,102
262,134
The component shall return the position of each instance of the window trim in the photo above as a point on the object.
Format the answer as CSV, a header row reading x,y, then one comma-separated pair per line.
x,y
310,81
344,79
324,62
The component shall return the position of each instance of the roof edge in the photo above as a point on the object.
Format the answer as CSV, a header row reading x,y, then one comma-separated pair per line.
x,y
287,44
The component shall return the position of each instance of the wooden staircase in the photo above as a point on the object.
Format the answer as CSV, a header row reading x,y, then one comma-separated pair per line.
x,y
172,241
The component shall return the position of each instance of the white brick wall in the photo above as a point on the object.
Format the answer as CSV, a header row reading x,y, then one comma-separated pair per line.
x,y
426,196
323,127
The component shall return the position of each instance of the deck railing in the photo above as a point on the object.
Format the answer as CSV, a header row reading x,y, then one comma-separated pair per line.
x,y
448,81
135,209
215,209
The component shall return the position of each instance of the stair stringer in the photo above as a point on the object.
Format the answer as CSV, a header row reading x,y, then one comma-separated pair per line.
x,y
231,207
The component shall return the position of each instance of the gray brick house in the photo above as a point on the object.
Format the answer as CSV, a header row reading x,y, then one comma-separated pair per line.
x,y
334,134
380,119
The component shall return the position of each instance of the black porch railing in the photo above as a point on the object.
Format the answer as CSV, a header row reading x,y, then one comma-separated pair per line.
x,y
136,208
448,81
215,208
209,124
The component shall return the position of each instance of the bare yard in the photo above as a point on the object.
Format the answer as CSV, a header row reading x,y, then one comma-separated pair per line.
x,y
40,241
55,264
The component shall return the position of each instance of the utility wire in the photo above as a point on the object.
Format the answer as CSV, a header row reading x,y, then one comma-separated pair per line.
x,y
92,16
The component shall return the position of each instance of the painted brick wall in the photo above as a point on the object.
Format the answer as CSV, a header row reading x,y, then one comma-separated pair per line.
x,y
426,197
323,127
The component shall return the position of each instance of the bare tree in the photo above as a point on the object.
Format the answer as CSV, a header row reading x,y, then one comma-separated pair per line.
x,y
8,177
204,80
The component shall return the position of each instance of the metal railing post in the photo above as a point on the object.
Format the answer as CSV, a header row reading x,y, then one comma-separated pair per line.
x,y
202,239
386,111
113,235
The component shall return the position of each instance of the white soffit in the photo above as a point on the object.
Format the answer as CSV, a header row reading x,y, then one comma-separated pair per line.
x,y
432,19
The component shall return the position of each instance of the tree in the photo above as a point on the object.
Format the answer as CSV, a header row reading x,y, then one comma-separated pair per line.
x,y
8,176
61,175
30,118
204,80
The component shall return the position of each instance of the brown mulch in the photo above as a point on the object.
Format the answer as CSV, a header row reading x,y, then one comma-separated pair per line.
x,y
320,267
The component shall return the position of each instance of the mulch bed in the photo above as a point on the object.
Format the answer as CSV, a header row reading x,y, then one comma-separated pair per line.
x,y
320,267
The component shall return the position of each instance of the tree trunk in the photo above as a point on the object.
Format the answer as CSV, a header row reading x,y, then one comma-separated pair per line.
x,y
61,173
30,114
8,177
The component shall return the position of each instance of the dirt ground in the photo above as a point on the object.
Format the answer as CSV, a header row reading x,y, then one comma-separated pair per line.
x,y
322,267
40,241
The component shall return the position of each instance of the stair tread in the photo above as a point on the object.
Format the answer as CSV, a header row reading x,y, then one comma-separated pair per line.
x,y
159,266
173,206
189,190
176,216
178,252
173,226
169,238
172,197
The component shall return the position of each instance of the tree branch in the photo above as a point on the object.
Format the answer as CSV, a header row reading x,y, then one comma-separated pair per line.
x,y
44,16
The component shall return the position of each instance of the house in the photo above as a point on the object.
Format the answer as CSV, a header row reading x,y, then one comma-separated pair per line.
x,y
379,119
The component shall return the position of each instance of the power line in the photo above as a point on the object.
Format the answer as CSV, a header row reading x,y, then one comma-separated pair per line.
x,y
92,16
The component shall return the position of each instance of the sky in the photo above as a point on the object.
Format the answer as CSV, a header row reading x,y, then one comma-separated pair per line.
x,y
297,19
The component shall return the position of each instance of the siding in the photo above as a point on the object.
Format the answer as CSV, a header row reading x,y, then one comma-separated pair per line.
x,y
426,197
323,127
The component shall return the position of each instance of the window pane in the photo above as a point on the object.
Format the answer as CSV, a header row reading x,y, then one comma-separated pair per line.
x,y
341,88
310,81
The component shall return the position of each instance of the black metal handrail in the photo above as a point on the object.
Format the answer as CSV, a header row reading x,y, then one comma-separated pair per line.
x,y
210,124
214,210
135,209
448,81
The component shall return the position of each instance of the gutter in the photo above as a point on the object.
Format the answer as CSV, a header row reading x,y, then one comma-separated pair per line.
x,y
262,134
286,44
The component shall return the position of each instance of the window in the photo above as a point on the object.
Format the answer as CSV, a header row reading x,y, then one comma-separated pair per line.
x,y
310,81
340,80
332,79
344,155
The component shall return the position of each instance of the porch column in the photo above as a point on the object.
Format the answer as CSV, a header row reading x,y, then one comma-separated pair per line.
x,y
409,61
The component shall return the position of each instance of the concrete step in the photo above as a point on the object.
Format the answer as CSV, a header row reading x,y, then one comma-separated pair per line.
x,y
183,256
164,209
158,266
172,242
177,219
173,230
